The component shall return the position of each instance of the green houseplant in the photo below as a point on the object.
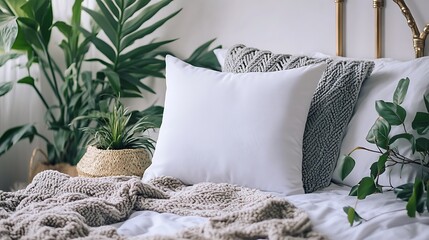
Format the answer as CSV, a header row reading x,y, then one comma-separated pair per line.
x,y
26,30
119,144
392,114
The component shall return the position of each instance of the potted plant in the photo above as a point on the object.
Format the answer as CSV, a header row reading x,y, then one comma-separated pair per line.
x,y
119,144
392,114
26,29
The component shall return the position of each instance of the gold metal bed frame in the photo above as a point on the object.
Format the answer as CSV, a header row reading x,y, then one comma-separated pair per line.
x,y
419,38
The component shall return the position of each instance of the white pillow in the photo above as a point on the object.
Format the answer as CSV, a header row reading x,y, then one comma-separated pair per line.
x,y
220,54
244,129
381,86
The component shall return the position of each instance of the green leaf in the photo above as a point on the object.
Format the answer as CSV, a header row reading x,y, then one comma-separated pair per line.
x,y
27,80
16,134
404,191
152,114
106,64
391,112
77,13
4,7
401,91
132,37
426,99
21,43
4,58
379,133
5,88
104,24
114,9
204,57
140,51
374,170
412,205
30,29
67,52
14,6
352,215
381,163
107,14
114,81
125,3
135,82
131,10
8,31
353,191
64,28
406,136
40,11
348,165
421,123
422,144
146,14
366,187
135,65
102,46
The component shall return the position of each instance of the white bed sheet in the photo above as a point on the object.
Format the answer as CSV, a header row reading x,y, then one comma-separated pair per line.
x,y
387,215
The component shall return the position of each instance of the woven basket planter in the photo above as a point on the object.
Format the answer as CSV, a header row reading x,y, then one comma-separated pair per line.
x,y
39,163
104,163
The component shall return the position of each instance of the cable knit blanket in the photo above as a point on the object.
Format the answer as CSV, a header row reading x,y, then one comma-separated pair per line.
x,y
56,206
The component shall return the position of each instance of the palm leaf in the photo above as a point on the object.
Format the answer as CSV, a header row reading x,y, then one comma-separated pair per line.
x,y
131,38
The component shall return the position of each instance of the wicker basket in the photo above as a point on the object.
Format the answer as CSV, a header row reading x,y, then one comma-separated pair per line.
x,y
103,163
38,163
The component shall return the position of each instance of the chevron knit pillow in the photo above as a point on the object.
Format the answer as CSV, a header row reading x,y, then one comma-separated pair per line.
x,y
331,107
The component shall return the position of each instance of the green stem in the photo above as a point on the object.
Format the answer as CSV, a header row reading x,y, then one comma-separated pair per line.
x,y
43,137
405,129
54,79
42,98
47,76
51,68
58,70
364,148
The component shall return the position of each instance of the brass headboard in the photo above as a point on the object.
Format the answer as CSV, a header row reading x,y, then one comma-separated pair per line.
x,y
340,26
419,38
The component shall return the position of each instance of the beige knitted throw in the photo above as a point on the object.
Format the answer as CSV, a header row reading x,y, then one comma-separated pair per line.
x,y
56,206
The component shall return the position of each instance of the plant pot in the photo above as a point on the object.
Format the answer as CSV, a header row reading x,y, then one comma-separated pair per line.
x,y
39,163
102,163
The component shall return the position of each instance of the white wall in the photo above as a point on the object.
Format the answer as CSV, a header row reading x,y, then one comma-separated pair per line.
x,y
288,26
292,26
283,26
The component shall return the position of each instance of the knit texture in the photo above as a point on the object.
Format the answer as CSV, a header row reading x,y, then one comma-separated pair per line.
x,y
56,206
331,107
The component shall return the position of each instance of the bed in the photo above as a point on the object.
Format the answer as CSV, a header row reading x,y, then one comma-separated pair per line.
x,y
209,201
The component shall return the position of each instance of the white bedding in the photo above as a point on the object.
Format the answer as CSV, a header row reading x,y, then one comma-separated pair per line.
x,y
387,215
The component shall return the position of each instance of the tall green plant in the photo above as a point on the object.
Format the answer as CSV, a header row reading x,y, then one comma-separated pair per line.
x,y
26,28
392,114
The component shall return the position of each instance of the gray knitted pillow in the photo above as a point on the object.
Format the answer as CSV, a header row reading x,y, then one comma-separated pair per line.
x,y
331,107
